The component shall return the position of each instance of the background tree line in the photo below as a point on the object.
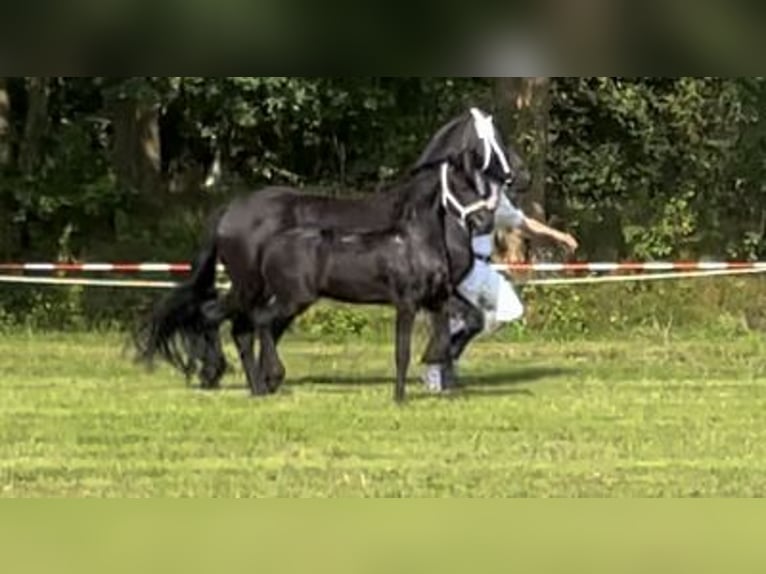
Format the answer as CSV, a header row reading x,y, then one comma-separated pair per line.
x,y
128,168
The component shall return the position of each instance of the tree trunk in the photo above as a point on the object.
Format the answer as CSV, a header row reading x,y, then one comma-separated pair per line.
x,y
136,146
31,149
137,164
524,105
5,125
6,156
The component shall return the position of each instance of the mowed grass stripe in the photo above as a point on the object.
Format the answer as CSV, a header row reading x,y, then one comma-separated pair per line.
x,y
631,417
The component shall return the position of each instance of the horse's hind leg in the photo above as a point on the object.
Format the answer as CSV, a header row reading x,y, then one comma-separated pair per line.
x,y
213,360
465,323
441,342
243,332
213,363
470,323
276,319
270,364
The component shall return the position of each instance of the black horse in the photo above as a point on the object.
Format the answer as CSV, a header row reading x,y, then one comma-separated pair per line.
x,y
406,266
183,329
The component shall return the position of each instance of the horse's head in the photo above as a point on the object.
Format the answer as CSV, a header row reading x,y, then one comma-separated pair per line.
x,y
466,201
473,144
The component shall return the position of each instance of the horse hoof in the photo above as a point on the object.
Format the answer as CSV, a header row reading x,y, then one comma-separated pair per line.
x,y
210,384
275,383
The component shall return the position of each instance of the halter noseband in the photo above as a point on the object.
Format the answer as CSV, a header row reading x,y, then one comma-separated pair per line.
x,y
463,211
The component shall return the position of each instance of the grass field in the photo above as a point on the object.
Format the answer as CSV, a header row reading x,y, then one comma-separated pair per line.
x,y
629,417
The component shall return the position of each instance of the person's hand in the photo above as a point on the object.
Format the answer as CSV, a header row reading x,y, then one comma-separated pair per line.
x,y
568,241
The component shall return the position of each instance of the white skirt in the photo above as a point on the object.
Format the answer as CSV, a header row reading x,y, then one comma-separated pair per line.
x,y
490,291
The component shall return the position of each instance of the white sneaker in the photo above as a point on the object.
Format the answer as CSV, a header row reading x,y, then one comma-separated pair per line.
x,y
432,377
456,325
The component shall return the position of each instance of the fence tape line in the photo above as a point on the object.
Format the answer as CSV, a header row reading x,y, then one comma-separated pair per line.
x,y
646,277
593,267
531,282
633,266
86,282
100,267
72,282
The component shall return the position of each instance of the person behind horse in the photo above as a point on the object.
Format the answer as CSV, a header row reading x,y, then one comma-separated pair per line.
x,y
492,298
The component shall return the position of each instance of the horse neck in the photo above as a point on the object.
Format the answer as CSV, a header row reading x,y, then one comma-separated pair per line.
x,y
457,235
389,203
421,209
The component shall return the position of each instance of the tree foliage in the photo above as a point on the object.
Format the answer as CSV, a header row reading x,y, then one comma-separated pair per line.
x,y
638,167
672,167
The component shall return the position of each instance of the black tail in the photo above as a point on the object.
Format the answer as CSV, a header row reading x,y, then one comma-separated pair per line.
x,y
179,329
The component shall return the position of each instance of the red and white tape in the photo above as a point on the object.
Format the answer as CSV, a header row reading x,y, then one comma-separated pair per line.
x,y
85,282
99,267
608,267
650,266
650,271
661,271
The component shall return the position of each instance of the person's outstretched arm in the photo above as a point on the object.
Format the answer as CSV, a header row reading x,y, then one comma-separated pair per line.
x,y
539,229
509,216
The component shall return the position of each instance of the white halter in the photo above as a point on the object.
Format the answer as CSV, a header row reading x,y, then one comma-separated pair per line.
x,y
448,198
485,129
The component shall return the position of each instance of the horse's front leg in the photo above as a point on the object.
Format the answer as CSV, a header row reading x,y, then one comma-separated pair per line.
x,y
405,318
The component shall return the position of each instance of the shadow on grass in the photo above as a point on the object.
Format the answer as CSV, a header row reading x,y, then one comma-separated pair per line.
x,y
501,383
469,381
466,392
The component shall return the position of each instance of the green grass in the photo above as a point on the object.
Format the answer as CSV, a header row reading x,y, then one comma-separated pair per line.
x,y
630,417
